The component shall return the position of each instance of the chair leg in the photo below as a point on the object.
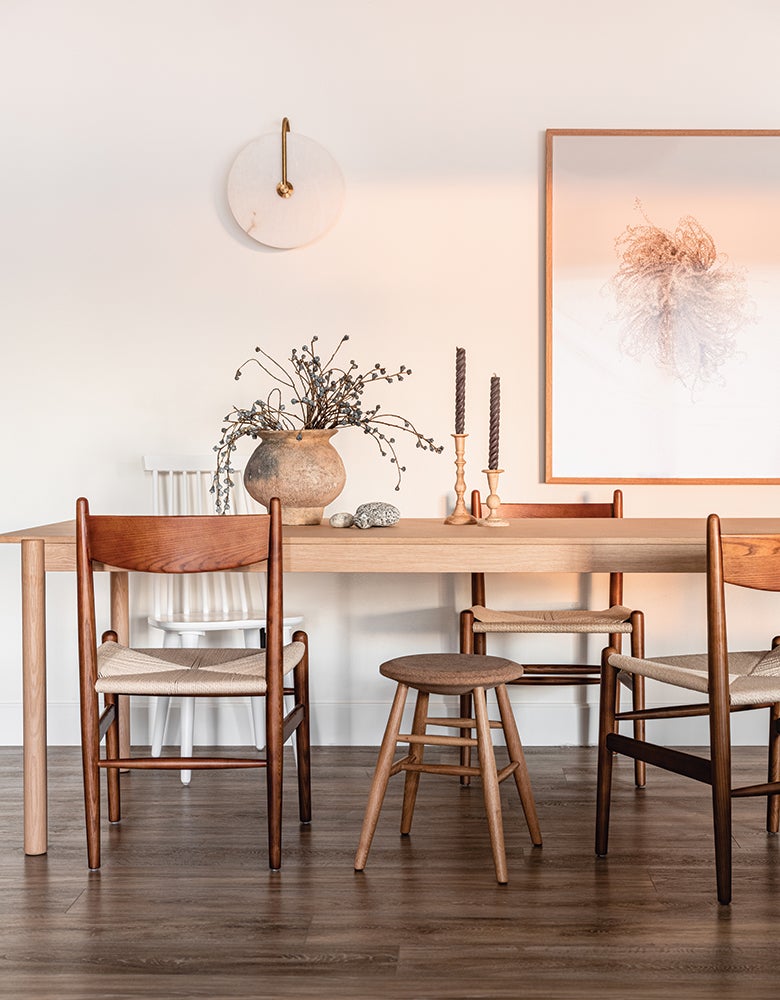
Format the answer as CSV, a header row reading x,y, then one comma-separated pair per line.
x,y
773,801
186,640
302,733
257,718
257,715
490,790
416,753
381,776
90,754
721,817
161,705
112,750
720,747
638,705
187,733
607,704
516,755
638,693
253,639
274,746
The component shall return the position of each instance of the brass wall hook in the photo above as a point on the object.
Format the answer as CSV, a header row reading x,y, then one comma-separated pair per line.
x,y
284,188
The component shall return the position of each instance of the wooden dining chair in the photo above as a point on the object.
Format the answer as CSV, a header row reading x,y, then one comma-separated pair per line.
x,y
614,621
728,681
181,544
188,606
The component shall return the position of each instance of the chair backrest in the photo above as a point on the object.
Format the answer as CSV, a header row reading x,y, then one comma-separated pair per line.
x,y
751,561
178,545
549,510
181,484
614,508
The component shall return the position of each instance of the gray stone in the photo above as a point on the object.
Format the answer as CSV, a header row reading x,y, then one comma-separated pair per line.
x,y
376,515
342,520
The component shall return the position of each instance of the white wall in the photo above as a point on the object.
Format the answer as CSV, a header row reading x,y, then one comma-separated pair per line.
x,y
129,295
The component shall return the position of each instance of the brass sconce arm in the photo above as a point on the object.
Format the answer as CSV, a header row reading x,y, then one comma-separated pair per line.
x,y
284,188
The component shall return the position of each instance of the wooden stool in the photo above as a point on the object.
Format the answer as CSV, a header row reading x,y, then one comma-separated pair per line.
x,y
459,674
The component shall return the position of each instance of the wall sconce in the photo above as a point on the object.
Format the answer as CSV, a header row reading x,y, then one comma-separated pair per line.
x,y
285,193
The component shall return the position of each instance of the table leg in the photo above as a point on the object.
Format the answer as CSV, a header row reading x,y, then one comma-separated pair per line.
x,y
34,695
120,619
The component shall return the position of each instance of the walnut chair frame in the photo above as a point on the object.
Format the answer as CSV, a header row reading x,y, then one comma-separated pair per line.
x,y
730,681
185,607
477,622
189,544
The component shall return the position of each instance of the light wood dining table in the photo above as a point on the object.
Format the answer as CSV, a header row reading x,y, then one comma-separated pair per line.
x,y
414,545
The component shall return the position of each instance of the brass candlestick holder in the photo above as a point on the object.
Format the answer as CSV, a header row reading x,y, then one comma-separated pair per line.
x,y
493,520
460,515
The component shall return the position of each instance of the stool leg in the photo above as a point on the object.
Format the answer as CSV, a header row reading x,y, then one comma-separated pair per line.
x,y
416,751
516,755
466,646
381,776
489,775
465,752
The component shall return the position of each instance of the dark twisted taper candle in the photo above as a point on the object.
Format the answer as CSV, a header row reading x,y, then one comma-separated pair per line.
x,y
460,390
495,407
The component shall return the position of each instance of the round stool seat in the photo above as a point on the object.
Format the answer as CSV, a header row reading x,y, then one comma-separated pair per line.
x,y
450,673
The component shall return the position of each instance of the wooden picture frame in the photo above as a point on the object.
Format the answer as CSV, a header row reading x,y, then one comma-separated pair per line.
x,y
662,306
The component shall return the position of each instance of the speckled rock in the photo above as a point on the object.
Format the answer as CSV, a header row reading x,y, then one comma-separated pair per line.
x,y
376,515
342,520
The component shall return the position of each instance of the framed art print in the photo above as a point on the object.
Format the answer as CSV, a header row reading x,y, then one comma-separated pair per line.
x,y
662,306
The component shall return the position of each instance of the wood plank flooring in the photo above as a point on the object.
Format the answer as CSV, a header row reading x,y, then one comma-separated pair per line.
x,y
185,907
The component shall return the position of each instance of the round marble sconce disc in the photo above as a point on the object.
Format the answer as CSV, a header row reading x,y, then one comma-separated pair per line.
x,y
309,212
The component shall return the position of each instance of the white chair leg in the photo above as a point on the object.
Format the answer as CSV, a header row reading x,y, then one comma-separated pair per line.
x,y
252,638
257,712
189,640
257,705
289,701
161,706
187,730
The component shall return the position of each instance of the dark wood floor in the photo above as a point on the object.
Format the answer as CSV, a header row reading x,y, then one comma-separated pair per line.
x,y
186,907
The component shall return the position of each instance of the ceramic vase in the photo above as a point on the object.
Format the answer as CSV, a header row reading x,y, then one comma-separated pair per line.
x,y
302,468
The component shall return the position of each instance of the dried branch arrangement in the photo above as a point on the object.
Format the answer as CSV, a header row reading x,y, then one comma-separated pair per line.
x,y
322,396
